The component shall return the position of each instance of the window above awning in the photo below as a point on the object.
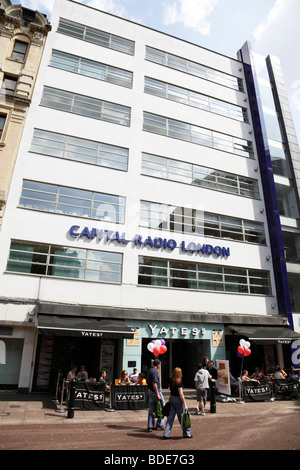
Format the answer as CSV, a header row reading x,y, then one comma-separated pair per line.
x,y
83,327
266,335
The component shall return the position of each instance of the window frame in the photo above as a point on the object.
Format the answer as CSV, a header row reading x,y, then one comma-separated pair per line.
x,y
57,145
83,105
202,277
3,90
89,34
59,199
195,99
24,55
194,134
193,68
46,260
178,219
189,172
108,72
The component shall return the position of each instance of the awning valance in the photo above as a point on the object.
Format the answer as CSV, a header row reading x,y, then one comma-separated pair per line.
x,y
266,335
83,327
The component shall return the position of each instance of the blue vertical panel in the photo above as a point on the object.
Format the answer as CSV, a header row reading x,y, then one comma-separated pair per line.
x,y
273,217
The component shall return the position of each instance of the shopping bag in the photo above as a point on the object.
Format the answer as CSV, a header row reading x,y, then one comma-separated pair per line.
x,y
186,420
157,412
166,409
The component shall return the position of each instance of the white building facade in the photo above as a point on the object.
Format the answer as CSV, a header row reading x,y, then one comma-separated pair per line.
x,y
136,209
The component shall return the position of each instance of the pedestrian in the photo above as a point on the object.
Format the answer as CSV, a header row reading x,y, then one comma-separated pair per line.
x,y
212,370
202,378
154,394
205,362
177,403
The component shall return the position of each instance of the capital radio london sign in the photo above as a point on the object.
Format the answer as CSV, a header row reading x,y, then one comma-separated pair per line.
x,y
158,243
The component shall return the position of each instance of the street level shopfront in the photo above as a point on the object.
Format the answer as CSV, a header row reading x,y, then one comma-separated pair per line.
x,y
119,341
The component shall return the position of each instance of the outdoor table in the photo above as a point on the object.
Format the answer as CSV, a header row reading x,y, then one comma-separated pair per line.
x,y
129,397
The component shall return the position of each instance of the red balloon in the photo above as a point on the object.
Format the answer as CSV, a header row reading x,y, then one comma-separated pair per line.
x,y
156,351
247,352
162,349
241,350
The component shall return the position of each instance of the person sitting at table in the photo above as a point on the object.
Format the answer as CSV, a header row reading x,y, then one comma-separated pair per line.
x,y
292,374
82,374
102,380
124,379
72,373
141,379
279,373
258,374
246,378
134,376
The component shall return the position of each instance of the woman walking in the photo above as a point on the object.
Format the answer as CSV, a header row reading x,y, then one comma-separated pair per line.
x,y
177,403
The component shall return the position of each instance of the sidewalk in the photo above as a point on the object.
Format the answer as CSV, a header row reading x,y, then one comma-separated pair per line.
x,y
17,409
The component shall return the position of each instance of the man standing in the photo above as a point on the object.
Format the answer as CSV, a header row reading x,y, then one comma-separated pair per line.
x,y
154,394
212,370
201,383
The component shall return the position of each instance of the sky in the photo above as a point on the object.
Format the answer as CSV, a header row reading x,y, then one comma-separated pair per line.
x,y
271,26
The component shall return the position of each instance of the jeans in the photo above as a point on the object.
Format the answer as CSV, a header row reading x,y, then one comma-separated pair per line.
x,y
152,400
175,408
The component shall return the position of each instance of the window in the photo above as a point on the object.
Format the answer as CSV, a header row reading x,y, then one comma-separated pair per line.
x,y
196,100
64,200
91,69
197,135
193,68
95,36
2,124
183,220
196,175
64,262
9,85
86,106
202,277
81,150
19,51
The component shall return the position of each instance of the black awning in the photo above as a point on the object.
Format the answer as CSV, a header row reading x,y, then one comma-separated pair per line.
x,y
266,335
83,327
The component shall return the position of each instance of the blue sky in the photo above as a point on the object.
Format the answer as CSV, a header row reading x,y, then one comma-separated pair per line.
x,y
271,26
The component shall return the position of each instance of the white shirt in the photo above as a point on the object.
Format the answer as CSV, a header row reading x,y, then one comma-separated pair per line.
x,y
202,377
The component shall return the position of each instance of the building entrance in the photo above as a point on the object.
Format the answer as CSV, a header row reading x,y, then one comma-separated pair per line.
x,y
180,353
56,354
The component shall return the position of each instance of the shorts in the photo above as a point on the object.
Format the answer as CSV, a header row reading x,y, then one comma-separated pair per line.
x,y
201,395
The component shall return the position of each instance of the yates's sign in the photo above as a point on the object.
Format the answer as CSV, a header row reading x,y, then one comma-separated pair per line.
x,y
154,242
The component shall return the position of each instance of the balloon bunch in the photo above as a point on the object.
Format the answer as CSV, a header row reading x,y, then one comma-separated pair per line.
x,y
157,346
243,348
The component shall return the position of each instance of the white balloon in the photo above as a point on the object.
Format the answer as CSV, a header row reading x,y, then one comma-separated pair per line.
x,y
242,342
157,343
150,347
247,344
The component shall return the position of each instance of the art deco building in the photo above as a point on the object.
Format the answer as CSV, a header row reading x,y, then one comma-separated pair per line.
x,y
140,208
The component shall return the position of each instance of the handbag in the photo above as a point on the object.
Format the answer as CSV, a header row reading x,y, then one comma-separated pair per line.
x,y
157,412
166,409
186,420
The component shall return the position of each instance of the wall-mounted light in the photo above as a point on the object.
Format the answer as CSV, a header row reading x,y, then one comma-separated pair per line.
x,y
268,257
261,210
31,315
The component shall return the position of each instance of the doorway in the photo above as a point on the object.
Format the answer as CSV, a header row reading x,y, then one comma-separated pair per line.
x,y
180,353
